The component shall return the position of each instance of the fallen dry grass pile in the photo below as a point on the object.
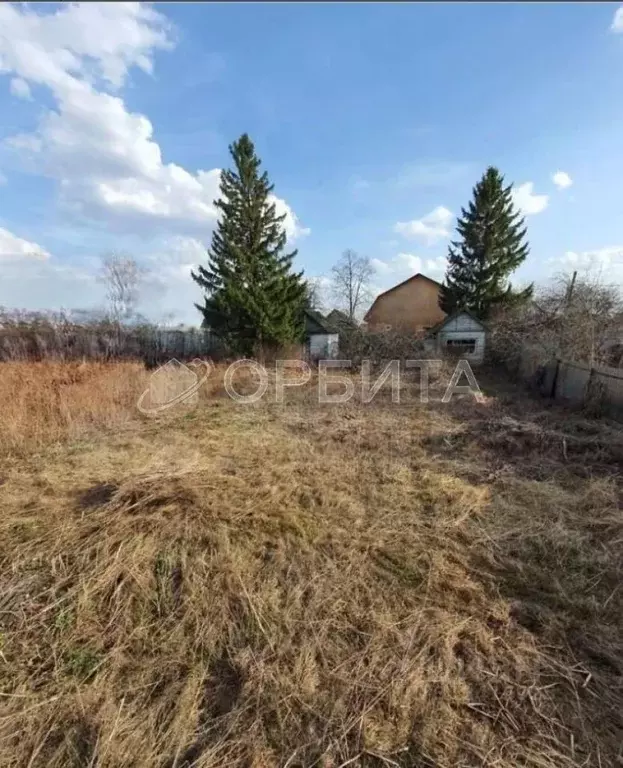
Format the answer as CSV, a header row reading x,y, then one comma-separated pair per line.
x,y
46,402
310,586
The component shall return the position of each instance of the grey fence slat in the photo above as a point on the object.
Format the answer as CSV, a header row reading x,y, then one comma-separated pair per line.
x,y
573,382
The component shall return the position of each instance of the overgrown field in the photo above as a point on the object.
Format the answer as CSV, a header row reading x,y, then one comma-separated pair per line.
x,y
305,585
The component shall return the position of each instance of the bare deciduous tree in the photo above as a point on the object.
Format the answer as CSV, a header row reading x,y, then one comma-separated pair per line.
x,y
122,277
314,293
351,282
577,319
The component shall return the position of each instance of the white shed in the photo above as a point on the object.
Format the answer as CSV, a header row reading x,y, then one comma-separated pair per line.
x,y
321,337
323,346
461,334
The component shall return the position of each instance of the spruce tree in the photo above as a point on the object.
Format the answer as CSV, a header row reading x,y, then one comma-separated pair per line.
x,y
253,299
490,247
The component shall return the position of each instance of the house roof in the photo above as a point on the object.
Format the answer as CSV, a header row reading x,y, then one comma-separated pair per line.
x,y
436,328
417,276
338,318
323,322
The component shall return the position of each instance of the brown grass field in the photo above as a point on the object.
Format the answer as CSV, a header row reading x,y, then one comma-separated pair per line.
x,y
299,585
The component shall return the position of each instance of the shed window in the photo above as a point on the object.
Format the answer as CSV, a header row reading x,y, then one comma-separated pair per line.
x,y
461,346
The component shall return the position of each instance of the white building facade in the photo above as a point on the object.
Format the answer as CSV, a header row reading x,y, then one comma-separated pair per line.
x,y
461,335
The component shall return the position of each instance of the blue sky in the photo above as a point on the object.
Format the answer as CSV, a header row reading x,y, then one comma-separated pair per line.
x,y
374,122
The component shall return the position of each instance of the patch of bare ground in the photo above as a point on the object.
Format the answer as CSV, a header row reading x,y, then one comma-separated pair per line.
x,y
301,585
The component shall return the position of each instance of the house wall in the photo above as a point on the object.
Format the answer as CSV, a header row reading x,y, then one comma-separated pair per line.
x,y
413,306
462,323
477,356
463,327
323,346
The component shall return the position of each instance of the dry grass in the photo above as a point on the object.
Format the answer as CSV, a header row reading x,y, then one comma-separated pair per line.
x,y
46,402
295,585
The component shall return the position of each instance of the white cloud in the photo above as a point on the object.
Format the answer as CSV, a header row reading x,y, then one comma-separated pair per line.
x,y
603,265
291,224
81,41
405,264
323,288
436,266
24,142
617,21
31,278
528,202
562,179
431,228
169,289
20,88
44,282
105,158
608,259
380,266
14,247
323,281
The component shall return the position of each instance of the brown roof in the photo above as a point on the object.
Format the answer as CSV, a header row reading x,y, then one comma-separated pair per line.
x,y
404,282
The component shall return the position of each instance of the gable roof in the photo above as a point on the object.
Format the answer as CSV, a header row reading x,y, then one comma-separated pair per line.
x,y
325,325
454,315
417,276
338,318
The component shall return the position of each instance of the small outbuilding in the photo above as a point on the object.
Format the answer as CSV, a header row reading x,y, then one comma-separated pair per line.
x,y
321,336
461,334
341,321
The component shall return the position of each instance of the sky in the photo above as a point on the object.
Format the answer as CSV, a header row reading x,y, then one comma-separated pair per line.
x,y
374,121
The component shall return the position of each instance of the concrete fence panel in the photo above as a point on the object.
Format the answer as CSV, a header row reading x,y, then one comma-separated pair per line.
x,y
598,390
571,382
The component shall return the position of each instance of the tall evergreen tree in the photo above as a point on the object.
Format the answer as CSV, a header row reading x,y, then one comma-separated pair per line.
x,y
253,299
490,247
